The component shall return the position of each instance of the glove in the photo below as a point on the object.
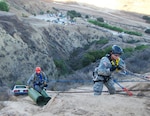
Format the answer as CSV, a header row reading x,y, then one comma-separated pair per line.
x,y
45,84
119,68
113,68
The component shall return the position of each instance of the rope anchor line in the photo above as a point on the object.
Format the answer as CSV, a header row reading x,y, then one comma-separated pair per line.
x,y
117,92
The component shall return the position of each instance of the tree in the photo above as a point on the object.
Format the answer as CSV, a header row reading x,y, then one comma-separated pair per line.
x,y
73,13
4,6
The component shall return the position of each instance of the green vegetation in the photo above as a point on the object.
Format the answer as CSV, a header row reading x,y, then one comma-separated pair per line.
x,y
48,11
129,51
87,16
141,47
139,62
73,13
87,59
92,56
146,18
24,15
132,41
41,12
147,31
80,59
126,50
100,19
4,6
102,41
55,9
105,25
61,66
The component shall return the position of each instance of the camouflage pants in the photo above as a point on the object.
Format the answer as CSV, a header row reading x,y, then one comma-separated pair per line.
x,y
98,87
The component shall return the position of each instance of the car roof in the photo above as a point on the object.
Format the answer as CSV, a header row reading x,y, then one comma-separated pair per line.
x,y
20,86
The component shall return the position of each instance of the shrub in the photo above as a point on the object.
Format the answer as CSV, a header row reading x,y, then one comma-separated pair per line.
x,y
146,17
147,21
132,41
105,25
87,59
61,66
87,16
34,14
41,12
100,19
138,62
147,31
48,11
97,54
24,15
92,56
102,41
55,9
141,47
128,50
73,13
4,6
133,33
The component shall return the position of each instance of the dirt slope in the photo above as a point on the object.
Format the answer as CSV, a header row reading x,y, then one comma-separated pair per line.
x,y
81,101
138,6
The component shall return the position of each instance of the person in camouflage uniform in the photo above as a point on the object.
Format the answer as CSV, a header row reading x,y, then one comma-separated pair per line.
x,y
108,64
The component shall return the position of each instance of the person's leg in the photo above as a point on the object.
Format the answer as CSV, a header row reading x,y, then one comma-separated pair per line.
x,y
110,85
38,88
97,88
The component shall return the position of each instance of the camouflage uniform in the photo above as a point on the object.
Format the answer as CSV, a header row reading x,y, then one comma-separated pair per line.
x,y
102,75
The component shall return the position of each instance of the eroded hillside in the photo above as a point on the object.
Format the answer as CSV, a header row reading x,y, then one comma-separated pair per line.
x,y
27,42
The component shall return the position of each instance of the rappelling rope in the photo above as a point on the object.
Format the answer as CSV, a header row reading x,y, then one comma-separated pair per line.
x,y
83,81
92,91
117,92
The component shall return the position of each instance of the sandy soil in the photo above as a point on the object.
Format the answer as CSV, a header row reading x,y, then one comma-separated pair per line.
x,y
82,102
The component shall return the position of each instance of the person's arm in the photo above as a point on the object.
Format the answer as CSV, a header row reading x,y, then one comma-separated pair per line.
x,y
30,80
104,67
122,65
45,78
